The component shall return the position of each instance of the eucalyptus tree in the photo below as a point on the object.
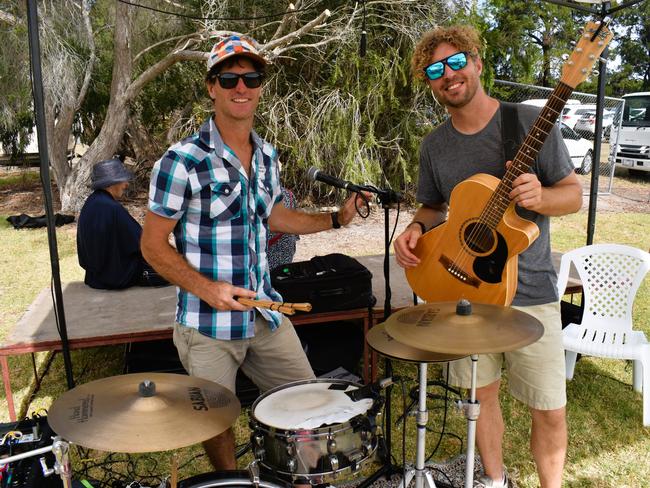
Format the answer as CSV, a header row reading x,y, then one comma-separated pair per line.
x,y
139,45
525,40
632,29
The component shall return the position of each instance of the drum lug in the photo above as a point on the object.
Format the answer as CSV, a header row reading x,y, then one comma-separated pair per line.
x,y
291,449
259,453
334,462
259,440
331,444
366,445
291,465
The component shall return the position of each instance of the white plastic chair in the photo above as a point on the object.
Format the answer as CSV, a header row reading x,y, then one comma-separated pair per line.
x,y
611,275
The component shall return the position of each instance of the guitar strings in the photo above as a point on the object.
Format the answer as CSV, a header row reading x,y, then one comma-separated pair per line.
x,y
483,232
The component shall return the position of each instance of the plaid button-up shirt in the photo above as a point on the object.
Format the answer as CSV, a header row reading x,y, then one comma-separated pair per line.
x,y
222,223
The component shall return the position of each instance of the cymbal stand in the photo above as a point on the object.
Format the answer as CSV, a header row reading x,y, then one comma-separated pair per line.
x,y
60,449
471,408
422,477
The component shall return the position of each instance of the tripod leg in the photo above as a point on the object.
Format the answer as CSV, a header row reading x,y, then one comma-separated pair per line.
x,y
472,412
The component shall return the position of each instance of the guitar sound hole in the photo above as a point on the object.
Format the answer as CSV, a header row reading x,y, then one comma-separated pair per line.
x,y
479,238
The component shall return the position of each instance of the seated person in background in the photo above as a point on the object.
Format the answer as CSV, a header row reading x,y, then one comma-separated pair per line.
x,y
282,247
108,238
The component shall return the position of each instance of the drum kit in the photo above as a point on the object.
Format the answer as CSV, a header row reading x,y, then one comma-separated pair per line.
x,y
305,432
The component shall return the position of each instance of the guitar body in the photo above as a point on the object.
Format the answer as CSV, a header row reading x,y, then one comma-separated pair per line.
x,y
464,258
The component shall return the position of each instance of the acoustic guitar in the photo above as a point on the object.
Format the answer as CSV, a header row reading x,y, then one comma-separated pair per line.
x,y
473,254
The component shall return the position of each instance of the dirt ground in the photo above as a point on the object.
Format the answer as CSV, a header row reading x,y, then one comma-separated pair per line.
x,y
362,237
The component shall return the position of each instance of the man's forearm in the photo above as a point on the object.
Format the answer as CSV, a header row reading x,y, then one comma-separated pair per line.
x,y
291,221
174,268
430,216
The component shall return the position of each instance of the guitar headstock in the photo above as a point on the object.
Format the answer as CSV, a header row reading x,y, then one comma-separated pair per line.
x,y
579,65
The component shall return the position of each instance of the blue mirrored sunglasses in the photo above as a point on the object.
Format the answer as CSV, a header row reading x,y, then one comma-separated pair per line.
x,y
455,61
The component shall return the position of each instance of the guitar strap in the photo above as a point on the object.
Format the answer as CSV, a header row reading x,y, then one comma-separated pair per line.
x,y
510,136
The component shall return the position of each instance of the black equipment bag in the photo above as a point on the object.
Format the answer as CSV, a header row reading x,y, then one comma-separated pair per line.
x,y
332,282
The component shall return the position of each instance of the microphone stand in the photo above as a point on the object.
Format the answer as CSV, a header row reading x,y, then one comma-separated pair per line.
x,y
386,198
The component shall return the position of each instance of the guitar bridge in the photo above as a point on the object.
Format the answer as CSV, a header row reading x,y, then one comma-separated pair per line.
x,y
458,273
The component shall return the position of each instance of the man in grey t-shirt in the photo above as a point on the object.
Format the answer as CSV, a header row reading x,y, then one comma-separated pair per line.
x,y
470,142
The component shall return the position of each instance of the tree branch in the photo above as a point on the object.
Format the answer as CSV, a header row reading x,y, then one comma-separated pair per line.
x,y
292,36
152,72
8,18
85,13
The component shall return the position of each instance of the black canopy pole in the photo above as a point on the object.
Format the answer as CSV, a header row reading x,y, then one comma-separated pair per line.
x,y
39,109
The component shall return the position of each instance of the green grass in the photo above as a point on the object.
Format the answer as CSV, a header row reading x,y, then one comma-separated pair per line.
x,y
607,446
20,180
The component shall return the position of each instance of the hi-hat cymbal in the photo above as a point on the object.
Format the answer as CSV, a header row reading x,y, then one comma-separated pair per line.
x,y
386,345
127,414
489,328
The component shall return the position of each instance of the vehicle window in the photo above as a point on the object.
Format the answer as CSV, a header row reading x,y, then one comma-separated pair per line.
x,y
637,111
568,133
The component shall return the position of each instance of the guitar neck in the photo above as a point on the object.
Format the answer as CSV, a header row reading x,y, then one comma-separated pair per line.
x,y
527,153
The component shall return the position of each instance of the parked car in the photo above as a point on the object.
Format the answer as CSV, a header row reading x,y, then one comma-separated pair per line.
x,y
572,113
586,125
580,149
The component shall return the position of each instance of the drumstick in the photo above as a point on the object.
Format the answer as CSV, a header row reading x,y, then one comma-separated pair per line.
x,y
288,308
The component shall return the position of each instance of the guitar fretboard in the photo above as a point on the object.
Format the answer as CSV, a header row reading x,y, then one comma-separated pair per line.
x,y
526,155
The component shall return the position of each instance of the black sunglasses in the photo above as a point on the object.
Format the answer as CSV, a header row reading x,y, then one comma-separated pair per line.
x,y
228,81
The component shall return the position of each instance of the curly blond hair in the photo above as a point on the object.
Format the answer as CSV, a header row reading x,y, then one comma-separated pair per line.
x,y
463,37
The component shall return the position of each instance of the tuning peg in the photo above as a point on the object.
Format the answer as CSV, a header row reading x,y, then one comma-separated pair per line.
x,y
565,56
595,72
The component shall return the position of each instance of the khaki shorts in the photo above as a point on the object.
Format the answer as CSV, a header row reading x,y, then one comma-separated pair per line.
x,y
536,373
269,359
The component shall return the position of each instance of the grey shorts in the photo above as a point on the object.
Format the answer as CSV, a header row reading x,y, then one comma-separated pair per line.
x,y
269,359
536,373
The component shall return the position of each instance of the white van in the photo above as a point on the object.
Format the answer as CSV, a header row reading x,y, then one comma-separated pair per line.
x,y
633,150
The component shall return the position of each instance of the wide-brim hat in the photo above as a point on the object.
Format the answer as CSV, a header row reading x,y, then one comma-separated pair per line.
x,y
235,45
109,172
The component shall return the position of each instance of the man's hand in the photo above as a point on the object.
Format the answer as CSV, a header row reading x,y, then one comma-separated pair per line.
x,y
405,243
349,208
222,296
526,190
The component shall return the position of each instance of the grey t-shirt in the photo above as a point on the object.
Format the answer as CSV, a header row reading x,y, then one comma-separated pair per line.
x,y
448,157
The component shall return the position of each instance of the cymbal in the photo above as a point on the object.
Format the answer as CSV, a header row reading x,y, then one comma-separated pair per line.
x,y
437,327
127,414
384,344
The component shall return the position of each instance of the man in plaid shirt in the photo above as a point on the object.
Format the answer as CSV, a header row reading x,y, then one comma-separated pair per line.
x,y
219,192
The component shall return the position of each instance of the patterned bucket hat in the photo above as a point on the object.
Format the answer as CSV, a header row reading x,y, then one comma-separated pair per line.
x,y
235,45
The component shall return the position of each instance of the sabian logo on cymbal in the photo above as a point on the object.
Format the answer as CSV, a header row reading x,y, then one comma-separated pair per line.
x,y
82,412
197,398
428,317
421,318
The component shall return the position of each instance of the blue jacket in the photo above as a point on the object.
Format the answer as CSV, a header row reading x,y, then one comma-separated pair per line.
x,y
108,243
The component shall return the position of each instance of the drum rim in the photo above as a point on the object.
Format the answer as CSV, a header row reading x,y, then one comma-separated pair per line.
x,y
267,480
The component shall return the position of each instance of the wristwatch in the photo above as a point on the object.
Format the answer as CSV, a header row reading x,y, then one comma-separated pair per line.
x,y
335,220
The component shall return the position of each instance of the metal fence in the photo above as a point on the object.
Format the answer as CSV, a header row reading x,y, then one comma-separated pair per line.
x,y
577,123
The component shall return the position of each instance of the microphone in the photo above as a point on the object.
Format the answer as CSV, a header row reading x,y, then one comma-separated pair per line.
x,y
370,390
315,174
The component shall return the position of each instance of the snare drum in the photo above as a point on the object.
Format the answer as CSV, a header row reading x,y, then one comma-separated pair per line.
x,y
231,479
311,430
